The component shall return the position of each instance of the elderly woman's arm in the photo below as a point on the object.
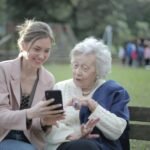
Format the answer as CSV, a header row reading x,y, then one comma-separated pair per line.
x,y
110,125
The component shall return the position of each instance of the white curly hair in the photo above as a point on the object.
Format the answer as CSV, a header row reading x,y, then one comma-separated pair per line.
x,y
91,45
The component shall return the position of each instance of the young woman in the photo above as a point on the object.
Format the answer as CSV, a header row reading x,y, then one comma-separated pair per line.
x,y
26,117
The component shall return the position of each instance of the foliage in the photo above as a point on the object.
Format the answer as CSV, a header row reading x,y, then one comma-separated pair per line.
x,y
2,11
142,29
20,9
90,17
123,31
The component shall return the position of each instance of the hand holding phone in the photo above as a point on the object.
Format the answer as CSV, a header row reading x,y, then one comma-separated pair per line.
x,y
56,95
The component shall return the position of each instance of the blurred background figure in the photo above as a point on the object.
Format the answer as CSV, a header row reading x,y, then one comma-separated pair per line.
x,y
147,54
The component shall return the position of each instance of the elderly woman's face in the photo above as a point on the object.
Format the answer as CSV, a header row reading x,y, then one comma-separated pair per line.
x,y
84,71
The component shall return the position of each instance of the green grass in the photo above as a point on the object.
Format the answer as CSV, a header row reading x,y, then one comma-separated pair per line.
x,y
135,80
61,72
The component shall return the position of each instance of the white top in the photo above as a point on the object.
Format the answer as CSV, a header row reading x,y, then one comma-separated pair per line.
x,y
110,125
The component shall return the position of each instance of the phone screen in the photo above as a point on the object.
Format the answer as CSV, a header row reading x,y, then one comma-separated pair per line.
x,y
56,95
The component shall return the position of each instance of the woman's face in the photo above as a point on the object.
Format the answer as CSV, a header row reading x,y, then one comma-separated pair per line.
x,y
84,71
38,52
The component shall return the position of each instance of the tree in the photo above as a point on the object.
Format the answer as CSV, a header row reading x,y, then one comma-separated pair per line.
x,y
142,29
86,18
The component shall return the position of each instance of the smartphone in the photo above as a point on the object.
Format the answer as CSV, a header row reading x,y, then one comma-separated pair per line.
x,y
56,95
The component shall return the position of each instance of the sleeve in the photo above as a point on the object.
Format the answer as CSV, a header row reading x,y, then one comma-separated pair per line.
x,y
110,125
36,125
112,110
113,121
59,134
70,125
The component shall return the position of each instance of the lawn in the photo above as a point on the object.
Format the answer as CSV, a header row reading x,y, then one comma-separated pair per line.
x,y
135,80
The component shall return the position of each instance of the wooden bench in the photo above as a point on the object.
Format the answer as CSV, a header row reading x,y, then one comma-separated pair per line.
x,y
139,123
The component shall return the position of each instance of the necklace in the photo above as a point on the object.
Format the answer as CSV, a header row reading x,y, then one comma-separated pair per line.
x,y
85,93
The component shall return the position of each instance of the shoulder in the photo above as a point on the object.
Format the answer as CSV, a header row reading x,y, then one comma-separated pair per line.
x,y
109,87
64,83
47,73
47,76
112,85
116,89
8,65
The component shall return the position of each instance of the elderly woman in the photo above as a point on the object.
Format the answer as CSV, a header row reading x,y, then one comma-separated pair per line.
x,y
90,96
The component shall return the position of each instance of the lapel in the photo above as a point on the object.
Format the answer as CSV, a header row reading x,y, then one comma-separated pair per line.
x,y
15,78
43,83
42,86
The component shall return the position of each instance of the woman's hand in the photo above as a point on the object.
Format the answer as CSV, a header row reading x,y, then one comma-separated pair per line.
x,y
78,102
89,102
43,109
75,103
86,130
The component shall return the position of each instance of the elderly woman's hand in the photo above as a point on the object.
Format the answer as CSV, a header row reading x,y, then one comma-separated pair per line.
x,y
78,102
90,103
86,130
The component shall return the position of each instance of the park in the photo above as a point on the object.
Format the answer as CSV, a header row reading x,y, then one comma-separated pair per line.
x,y
117,23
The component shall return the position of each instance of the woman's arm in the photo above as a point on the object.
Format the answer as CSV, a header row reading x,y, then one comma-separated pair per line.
x,y
110,125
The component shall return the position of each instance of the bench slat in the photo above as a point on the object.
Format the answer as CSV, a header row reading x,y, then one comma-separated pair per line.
x,y
139,113
140,132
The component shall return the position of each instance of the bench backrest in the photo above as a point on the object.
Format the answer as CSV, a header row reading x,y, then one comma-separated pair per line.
x,y
139,123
